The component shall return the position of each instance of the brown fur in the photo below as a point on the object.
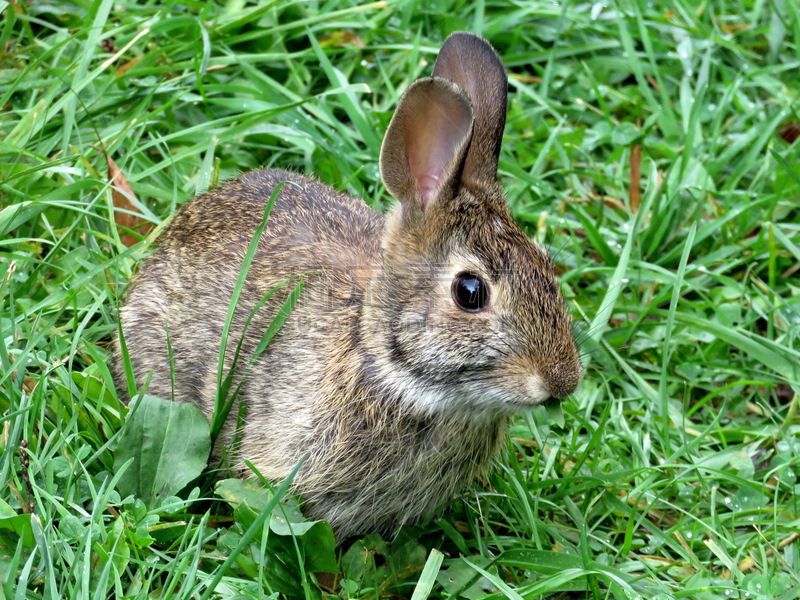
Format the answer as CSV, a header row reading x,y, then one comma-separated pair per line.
x,y
398,396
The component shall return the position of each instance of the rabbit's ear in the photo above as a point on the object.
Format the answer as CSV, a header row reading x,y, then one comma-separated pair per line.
x,y
425,145
472,64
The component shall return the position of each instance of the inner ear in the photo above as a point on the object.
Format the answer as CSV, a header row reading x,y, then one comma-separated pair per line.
x,y
426,142
441,125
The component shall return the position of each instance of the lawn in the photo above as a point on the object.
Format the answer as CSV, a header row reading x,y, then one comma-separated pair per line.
x,y
651,146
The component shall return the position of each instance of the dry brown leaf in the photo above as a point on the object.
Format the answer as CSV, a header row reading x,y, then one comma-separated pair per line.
x,y
126,66
784,393
124,220
734,27
29,385
634,194
341,38
790,133
525,78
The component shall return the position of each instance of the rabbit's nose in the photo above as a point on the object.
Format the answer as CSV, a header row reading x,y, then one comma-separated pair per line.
x,y
562,380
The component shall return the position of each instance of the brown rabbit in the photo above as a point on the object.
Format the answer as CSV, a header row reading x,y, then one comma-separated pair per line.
x,y
416,336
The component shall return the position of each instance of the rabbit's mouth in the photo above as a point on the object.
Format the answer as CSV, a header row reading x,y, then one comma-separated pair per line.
x,y
503,400
485,397
537,391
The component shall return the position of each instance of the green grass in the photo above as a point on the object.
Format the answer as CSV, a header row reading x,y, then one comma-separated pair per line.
x,y
675,475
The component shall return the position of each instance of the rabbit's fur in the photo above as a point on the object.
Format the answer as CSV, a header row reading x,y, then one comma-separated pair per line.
x,y
399,396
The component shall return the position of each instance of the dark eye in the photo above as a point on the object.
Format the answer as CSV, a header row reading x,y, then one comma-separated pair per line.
x,y
470,292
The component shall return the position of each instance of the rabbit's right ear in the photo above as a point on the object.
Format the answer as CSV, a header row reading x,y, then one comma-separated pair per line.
x,y
426,143
473,65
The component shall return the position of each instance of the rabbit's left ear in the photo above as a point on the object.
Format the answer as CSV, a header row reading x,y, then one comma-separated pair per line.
x,y
426,143
473,65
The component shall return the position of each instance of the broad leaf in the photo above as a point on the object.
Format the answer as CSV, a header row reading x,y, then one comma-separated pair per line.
x,y
169,443
462,580
315,537
19,524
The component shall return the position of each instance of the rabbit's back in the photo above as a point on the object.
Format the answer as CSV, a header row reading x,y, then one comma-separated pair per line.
x,y
311,226
184,289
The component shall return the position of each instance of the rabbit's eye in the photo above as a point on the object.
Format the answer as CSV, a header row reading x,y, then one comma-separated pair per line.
x,y
470,292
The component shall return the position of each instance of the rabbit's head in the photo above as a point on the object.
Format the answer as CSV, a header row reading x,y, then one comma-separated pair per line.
x,y
465,311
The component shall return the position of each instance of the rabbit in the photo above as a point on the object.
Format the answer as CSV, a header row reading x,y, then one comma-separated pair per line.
x,y
416,337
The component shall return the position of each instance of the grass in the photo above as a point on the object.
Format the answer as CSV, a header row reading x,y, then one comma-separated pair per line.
x,y
652,146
